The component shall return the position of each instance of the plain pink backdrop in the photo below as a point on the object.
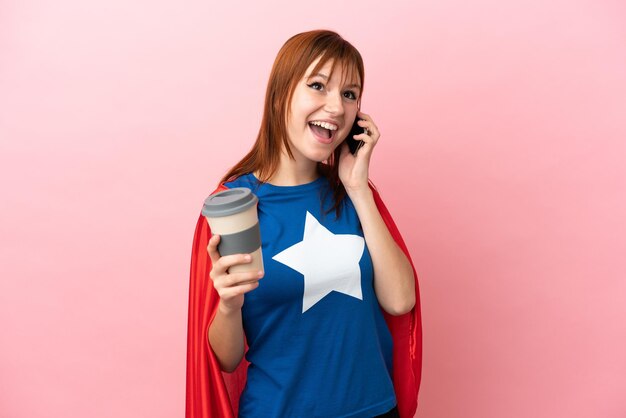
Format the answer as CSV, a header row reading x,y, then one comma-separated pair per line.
x,y
502,159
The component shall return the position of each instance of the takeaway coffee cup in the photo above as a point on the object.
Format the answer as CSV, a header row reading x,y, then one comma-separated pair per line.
x,y
232,214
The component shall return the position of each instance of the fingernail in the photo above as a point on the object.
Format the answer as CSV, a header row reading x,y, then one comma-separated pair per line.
x,y
248,257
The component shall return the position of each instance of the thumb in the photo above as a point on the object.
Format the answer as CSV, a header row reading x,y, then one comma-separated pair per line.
x,y
214,254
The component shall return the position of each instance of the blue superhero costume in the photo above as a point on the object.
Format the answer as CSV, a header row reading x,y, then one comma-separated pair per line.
x,y
213,393
318,342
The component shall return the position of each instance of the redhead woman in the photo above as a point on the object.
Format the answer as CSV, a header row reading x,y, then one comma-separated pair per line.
x,y
332,326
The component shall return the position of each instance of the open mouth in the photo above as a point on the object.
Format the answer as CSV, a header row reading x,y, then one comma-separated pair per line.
x,y
323,135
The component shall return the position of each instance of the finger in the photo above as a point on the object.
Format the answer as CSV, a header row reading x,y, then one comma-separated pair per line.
x,y
365,125
364,137
230,292
214,254
367,145
227,261
370,126
236,279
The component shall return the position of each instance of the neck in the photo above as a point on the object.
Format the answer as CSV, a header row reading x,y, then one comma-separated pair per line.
x,y
293,172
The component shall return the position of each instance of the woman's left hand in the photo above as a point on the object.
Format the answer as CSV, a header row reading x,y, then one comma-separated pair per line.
x,y
354,169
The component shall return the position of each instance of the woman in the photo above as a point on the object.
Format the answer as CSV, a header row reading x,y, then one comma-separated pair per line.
x,y
333,328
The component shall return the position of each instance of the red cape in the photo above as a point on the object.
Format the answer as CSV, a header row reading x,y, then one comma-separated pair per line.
x,y
213,393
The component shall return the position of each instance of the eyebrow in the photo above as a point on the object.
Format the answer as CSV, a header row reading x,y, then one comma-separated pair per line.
x,y
324,76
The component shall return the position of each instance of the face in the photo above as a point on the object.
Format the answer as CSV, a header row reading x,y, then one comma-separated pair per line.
x,y
316,98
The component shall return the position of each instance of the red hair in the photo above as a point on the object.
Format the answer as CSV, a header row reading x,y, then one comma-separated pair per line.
x,y
289,67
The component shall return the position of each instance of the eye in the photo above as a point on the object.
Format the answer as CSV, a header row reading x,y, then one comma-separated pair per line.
x,y
352,93
317,83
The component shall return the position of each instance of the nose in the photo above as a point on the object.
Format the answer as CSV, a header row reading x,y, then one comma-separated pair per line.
x,y
334,104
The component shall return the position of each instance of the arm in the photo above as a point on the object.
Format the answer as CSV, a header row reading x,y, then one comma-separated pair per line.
x,y
394,283
226,336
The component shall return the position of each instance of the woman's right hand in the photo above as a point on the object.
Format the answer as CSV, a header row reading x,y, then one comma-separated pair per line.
x,y
231,286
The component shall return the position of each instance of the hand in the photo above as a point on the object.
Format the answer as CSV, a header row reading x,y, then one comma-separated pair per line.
x,y
354,169
231,287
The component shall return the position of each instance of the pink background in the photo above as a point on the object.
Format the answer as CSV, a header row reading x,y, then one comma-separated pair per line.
x,y
502,158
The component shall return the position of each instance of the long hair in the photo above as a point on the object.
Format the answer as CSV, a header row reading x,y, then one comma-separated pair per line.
x,y
289,67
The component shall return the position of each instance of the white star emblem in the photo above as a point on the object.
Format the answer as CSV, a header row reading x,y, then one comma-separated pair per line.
x,y
328,262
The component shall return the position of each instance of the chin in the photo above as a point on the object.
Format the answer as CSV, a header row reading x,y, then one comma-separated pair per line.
x,y
313,152
320,156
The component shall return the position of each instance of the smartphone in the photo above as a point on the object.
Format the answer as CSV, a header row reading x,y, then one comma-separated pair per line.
x,y
355,144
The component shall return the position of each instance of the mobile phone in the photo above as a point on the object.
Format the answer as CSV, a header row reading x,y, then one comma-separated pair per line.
x,y
355,144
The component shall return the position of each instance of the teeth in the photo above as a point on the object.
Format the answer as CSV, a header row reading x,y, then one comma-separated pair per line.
x,y
324,125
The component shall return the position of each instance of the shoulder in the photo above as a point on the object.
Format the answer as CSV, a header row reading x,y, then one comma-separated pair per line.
x,y
220,187
244,180
240,181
